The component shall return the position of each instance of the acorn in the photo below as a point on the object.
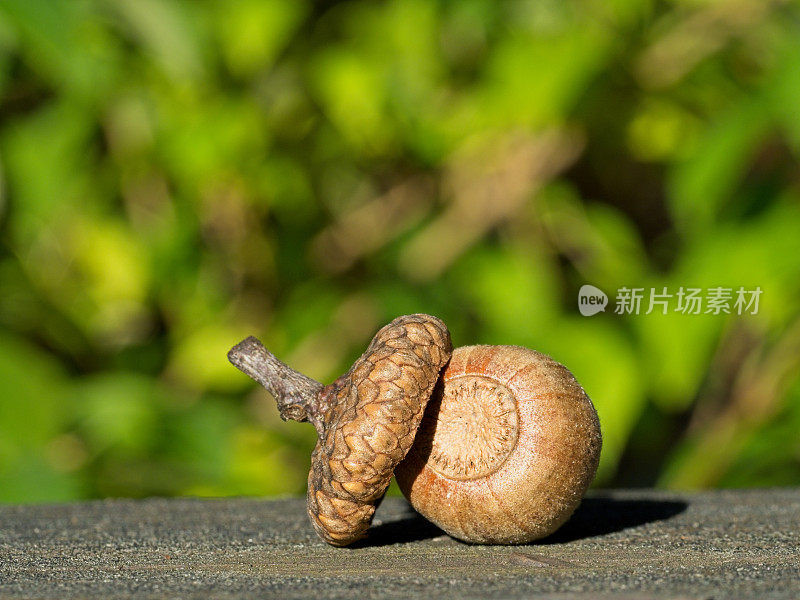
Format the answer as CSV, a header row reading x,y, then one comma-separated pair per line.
x,y
507,447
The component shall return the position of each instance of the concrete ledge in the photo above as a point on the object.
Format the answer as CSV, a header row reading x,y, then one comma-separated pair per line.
x,y
620,544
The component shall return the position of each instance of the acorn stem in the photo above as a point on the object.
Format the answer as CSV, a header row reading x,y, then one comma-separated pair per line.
x,y
297,395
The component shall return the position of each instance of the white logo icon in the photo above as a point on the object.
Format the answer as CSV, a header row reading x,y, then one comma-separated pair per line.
x,y
591,300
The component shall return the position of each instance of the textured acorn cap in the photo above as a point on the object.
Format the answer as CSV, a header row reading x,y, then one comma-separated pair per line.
x,y
508,446
370,416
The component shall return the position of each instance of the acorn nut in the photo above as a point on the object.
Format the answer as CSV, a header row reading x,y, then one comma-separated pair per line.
x,y
366,420
506,450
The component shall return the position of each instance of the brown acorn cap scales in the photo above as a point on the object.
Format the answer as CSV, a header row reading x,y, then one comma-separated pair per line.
x,y
366,420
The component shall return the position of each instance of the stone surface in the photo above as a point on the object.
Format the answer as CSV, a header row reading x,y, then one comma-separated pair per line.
x,y
625,544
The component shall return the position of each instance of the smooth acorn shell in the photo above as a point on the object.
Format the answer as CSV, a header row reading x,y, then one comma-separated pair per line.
x,y
508,446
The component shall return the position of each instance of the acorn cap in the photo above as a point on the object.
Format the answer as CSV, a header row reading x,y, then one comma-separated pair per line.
x,y
371,415
366,420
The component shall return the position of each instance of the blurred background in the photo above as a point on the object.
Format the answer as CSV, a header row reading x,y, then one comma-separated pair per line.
x,y
177,175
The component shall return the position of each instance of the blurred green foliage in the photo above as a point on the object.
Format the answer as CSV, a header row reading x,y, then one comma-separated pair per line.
x,y
177,175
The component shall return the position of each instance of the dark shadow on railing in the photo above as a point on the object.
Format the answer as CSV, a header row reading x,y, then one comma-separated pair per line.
x,y
603,515
595,516
411,528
